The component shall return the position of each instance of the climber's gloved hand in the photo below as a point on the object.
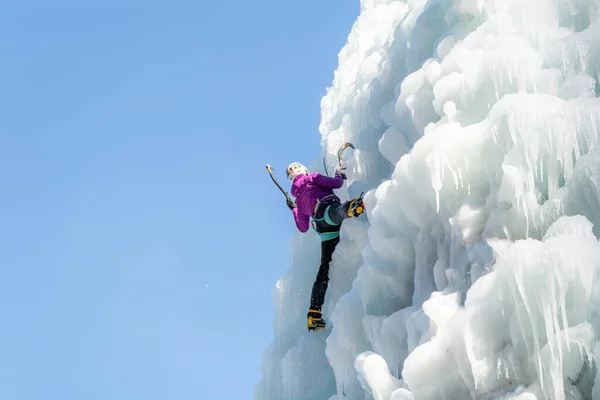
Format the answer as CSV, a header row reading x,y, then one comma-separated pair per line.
x,y
340,171
290,203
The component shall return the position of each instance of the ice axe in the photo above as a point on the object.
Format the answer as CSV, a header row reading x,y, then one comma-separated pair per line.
x,y
270,169
341,150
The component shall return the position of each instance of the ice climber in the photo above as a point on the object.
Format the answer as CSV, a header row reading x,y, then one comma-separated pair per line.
x,y
315,199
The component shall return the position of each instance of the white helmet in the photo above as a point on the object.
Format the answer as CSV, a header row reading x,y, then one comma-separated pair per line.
x,y
295,169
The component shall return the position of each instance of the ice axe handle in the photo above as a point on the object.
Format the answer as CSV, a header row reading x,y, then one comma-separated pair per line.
x,y
270,169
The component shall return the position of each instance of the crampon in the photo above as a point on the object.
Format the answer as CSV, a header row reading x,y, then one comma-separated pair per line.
x,y
356,206
315,321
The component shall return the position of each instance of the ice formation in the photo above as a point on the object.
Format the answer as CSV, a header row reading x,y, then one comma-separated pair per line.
x,y
476,272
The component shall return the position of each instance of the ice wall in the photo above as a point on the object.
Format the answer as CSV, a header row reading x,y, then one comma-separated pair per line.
x,y
474,273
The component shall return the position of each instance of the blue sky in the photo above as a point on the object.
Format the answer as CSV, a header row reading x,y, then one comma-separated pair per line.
x,y
140,235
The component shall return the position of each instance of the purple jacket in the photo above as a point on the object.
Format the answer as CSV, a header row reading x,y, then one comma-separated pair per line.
x,y
308,189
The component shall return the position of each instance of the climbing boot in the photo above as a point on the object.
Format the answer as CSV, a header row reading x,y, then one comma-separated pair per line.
x,y
315,320
356,207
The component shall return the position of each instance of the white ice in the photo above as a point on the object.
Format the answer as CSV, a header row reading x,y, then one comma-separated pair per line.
x,y
475,273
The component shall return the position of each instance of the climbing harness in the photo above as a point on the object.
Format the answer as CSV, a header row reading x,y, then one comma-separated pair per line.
x,y
321,223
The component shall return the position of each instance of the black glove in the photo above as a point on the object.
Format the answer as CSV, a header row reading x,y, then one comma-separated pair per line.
x,y
290,203
340,171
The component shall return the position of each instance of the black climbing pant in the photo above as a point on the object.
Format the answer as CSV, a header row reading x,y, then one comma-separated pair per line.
x,y
335,212
329,217
320,286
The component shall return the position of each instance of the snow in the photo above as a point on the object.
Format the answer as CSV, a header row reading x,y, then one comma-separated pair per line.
x,y
475,271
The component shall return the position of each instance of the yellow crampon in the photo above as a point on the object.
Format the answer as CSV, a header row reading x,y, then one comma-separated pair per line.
x,y
356,207
315,320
